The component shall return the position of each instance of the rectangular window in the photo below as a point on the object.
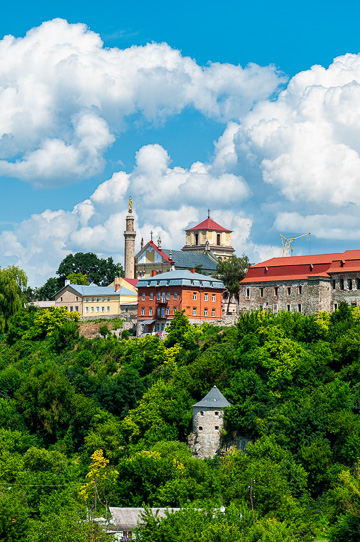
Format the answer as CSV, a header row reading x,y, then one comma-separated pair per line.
x,y
76,298
86,299
175,296
194,311
194,296
168,296
333,284
86,309
212,312
71,309
350,284
300,291
168,311
151,296
289,290
162,312
175,309
77,308
143,296
107,309
247,293
358,284
150,311
103,299
205,312
163,297
276,290
158,311
206,297
335,306
143,311
98,299
92,299
91,309
102,309
341,284
213,297
299,307
108,299
261,292
97,309
158,296
288,308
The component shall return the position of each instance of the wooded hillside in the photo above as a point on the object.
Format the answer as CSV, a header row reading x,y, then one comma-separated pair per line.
x,y
73,408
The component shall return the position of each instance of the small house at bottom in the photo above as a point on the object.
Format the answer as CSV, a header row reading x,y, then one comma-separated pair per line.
x,y
208,421
160,296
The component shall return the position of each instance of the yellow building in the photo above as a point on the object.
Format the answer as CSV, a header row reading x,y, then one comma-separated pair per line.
x,y
95,301
209,236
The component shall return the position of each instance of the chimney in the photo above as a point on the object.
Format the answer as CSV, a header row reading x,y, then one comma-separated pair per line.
x,y
153,273
67,282
117,287
192,270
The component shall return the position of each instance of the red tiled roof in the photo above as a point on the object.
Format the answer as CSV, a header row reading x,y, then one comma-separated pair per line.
x,y
133,282
304,267
151,243
209,224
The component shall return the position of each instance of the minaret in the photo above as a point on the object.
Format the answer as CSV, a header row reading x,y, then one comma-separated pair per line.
x,y
130,235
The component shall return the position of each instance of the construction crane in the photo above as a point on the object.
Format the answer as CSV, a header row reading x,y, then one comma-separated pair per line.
x,y
286,243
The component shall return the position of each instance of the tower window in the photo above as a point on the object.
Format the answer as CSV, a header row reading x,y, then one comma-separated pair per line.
x,y
300,290
218,239
216,427
276,290
196,238
201,413
200,428
333,283
289,290
216,414
341,284
261,292
350,284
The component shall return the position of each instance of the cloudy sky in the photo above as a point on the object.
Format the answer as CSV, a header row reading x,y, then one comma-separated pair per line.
x,y
249,109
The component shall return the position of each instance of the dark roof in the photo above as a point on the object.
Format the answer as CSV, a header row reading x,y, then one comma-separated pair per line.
x,y
209,224
191,259
213,399
181,277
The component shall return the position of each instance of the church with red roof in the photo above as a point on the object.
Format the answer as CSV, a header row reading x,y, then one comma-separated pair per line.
x,y
305,284
210,236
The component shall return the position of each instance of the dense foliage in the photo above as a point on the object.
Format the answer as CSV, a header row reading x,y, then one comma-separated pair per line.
x,y
118,411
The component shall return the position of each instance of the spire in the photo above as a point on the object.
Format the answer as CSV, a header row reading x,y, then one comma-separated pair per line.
x,y
130,205
151,234
208,213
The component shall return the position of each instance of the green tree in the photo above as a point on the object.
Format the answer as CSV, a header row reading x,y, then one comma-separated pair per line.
x,y
101,271
78,278
231,271
12,284
49,289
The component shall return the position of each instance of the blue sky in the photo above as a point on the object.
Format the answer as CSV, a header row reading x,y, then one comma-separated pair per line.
x,y
236,106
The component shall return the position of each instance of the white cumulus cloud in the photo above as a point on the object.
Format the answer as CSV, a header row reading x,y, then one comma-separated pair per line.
x,y
64,98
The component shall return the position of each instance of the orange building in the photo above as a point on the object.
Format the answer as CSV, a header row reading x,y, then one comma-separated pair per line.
x,y
160,296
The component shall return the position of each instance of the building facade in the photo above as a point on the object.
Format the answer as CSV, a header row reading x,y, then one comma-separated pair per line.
x,y
305,284
208,422
160,296
209,236
94,301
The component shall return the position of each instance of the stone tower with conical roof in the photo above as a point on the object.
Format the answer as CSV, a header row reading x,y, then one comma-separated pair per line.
x,y
208,421
129,234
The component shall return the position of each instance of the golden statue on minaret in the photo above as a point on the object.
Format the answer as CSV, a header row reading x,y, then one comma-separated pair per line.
x,y
130,205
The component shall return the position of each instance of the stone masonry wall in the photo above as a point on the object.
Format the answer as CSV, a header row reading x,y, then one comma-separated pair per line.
x,y
207,426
